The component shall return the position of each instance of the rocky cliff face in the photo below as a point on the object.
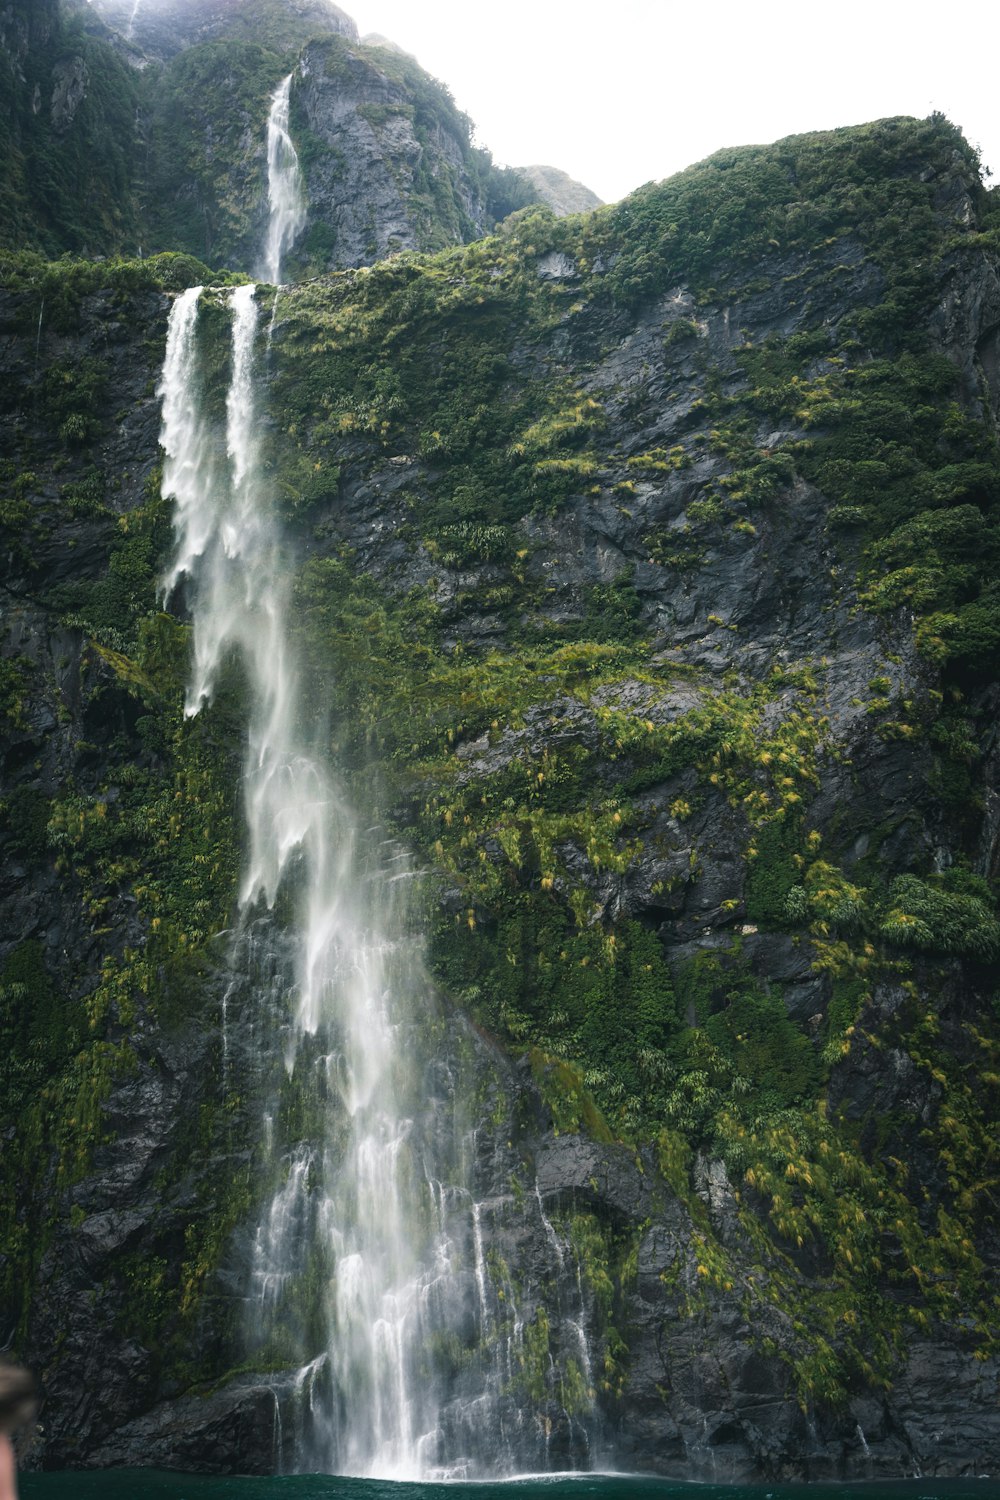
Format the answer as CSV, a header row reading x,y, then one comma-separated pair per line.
x,y
137,128
646,576
387,160
161,28
68,109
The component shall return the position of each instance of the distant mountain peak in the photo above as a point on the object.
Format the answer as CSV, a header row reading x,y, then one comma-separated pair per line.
x,y
563,194
376,39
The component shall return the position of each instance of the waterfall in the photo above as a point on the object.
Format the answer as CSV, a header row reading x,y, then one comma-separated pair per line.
x,y
38,339
363,1205
368,1269
284,185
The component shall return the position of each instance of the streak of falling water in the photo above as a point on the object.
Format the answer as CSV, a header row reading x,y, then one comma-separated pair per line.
x,y
391,1266
365,1204
284,185
132,19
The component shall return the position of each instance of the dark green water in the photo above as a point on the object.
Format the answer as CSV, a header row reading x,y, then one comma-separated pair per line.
x,y
145,1484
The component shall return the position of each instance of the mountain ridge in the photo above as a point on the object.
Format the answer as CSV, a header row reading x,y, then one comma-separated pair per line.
x,y
562,194
112,149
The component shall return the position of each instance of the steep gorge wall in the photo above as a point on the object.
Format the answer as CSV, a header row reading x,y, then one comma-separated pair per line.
x,y
646,573
68,108
127,137
387,160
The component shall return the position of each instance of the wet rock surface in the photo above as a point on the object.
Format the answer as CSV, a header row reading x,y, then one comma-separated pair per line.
x,y
373,162
704,1387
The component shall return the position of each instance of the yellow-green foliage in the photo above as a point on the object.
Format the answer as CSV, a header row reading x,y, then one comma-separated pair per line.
x,y
563,1089
660,460
606,1265
159,835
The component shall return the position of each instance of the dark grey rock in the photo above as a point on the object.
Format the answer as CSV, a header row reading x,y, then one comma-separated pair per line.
x,y
702,1394
361,183
232,1431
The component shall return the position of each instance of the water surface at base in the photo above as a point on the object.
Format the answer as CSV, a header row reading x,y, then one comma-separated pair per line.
x,y
146,1484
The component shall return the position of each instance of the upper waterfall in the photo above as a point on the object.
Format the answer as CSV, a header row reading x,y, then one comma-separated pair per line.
x,y
285,194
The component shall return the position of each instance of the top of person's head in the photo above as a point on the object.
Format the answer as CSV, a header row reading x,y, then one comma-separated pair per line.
x,y
17,1397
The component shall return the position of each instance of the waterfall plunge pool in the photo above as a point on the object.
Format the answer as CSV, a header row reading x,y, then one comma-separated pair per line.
x,y
148,1484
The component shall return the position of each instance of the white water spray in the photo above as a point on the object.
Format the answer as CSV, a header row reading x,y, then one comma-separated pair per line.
x,y
409,1353
366,1205
285,194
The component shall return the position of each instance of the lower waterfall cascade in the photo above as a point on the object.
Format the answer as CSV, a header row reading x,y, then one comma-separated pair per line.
x,y
417,1357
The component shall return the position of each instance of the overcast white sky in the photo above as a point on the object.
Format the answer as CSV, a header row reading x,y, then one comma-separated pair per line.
x,y
619,92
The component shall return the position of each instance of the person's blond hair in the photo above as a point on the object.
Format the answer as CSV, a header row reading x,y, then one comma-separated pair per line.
x,y
17,1398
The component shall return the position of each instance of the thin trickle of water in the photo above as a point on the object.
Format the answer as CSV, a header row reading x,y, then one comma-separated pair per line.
x,y
288,1221
38,336
274,316
549,1228
477,1233
285,195
131,20
583,1348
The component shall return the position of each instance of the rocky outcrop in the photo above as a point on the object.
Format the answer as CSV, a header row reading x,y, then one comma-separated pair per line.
x,y
387,159
563,194
69,85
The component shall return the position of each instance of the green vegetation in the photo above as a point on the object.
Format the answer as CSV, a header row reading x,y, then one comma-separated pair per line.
x,y
58,289
568,773
69,180
732,216
102,158
139,836
535,830
209,201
